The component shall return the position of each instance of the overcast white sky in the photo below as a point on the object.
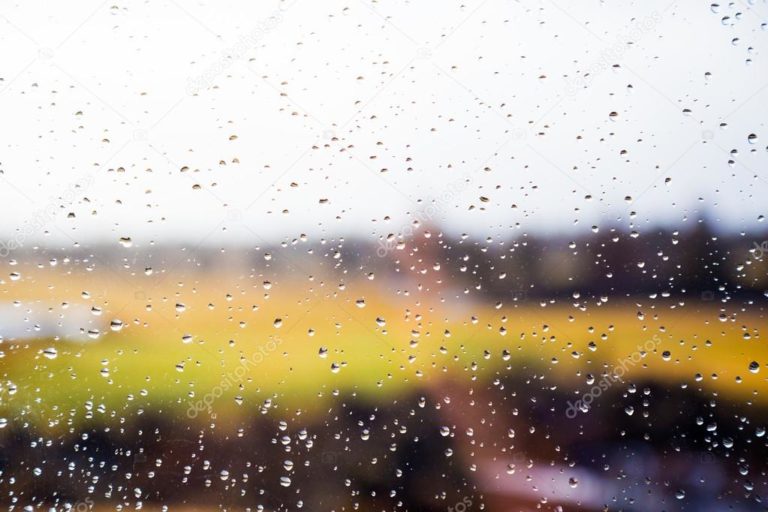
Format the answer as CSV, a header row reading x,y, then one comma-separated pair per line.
x,y
414,100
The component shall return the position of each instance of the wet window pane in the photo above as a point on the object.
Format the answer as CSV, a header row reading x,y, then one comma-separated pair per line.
x,y
290,255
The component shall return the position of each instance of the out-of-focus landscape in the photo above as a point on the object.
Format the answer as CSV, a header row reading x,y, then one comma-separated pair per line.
x,y
240,376
473,256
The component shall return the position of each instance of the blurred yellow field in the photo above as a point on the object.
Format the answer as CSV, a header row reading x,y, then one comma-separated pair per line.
x,y
217,346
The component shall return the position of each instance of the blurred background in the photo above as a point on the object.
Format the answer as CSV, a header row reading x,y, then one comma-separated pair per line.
x,y
497,255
